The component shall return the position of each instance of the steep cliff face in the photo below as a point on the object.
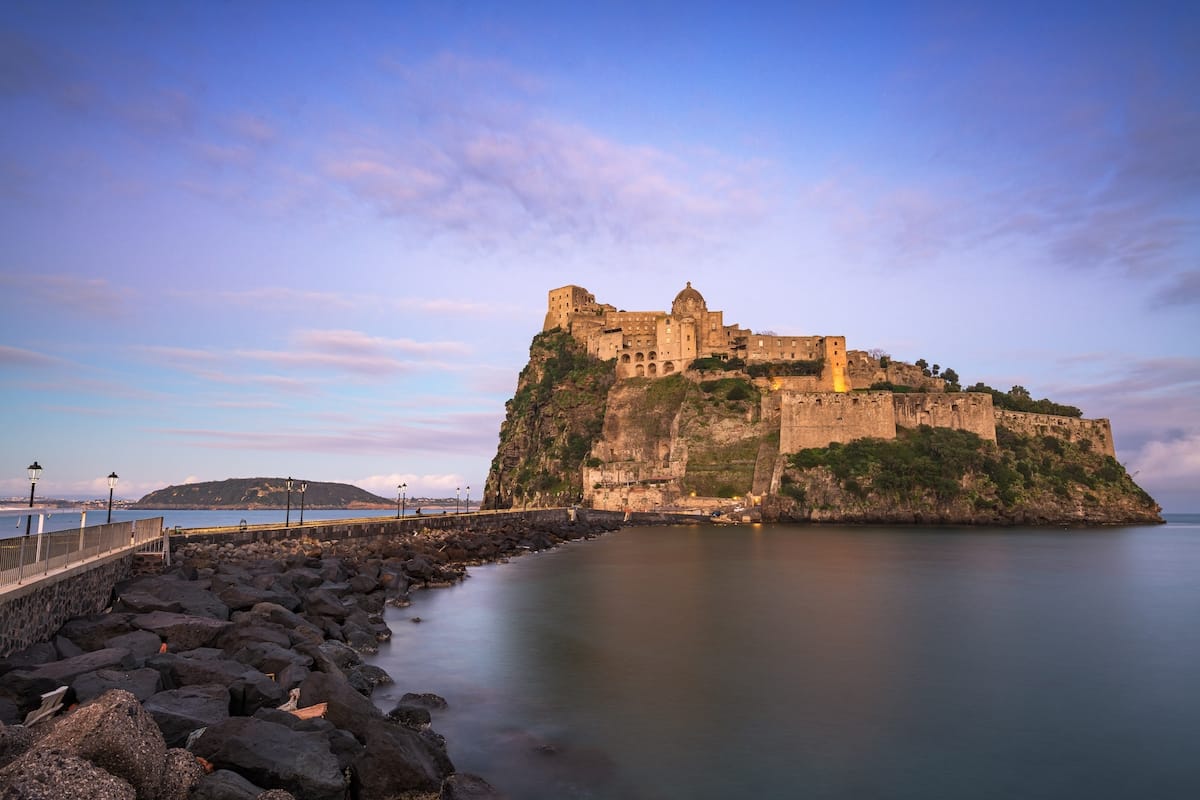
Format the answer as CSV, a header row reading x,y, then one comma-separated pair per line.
x,y
948,476
550,425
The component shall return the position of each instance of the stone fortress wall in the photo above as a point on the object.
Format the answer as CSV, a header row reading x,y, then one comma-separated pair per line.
x,y
1072,429
812,410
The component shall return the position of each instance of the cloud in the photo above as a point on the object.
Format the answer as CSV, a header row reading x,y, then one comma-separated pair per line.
x,y
94,297
462,433
251,128
1182,290
19,357
1169,465
355,344
486,163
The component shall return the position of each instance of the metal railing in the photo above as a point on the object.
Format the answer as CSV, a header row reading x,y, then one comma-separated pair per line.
x,y
27,558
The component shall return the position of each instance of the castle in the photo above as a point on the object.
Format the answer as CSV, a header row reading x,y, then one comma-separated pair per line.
x,y
800,408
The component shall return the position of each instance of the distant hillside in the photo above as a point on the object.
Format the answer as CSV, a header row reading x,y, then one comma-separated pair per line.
x,y
260,493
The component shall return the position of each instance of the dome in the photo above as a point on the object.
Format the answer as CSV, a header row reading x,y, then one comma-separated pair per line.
x,y
688,301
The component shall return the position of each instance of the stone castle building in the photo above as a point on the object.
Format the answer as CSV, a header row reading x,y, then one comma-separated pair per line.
x,y
802,411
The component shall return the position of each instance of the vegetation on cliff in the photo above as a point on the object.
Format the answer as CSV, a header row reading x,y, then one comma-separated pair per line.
x,y
944,474
550,425
260,493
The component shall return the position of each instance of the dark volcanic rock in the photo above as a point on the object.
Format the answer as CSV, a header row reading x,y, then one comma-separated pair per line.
x,y
170,593
91,632
48,774
323,603
116,734
142,644
426,699
347,708
178,712
410,716
224,784
396,760
249,689
181,632
463,786
274,756
141,683
69,669
33,656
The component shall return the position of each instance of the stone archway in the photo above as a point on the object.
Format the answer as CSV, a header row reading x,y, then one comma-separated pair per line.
x,y
639,357
641,371
625,358
653,370
668,367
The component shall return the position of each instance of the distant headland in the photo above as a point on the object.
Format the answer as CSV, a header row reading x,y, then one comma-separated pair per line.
x,y
254,493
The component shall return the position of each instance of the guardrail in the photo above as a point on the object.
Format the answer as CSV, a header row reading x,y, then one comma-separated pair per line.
x,y
26,558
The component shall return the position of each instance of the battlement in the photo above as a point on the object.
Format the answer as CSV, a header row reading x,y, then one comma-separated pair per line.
x,y
1071,429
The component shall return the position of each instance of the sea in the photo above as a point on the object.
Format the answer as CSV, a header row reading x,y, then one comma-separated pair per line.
x,y
812,661
12,523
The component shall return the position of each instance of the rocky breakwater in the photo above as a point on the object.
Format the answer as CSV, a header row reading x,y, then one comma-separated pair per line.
x,y
239,674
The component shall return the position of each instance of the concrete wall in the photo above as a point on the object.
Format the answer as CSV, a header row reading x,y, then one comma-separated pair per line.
x,y
1072,429
815,420
964,411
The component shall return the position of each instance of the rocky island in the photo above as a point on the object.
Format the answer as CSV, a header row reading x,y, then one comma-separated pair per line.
x,y
260,493
677,410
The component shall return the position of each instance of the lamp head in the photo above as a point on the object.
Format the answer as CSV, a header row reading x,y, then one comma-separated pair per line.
x,y
289,483
35,472
112,480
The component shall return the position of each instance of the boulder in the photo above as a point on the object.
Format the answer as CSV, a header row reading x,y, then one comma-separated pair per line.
x,y
67,670
341,654
410,716
464,786
270,658
116,734
91,632
274,756
347,708
247,629
49,774
33,656
397,760
276,794
180,631
181,773
425,699
141,683
171,593
142,644
178,712
68,649
240,596
223,784
249,689
324,603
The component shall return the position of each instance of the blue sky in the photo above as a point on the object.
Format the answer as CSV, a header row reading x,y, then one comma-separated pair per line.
x,y
246,239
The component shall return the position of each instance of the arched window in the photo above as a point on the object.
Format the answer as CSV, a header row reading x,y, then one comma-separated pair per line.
x,y
653,368
641,371
625,358
668,368
639,357
653,355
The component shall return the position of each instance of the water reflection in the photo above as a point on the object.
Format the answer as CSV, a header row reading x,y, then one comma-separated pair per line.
x,y
820,662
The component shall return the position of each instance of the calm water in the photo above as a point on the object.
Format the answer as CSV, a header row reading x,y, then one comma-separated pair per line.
x,y
822,662
12,524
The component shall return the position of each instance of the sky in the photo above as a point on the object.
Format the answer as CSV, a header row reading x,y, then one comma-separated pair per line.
x,y
315,239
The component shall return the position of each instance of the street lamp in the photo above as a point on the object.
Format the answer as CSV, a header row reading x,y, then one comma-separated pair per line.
x,y
402,488
112,484
35,472
457,498
303,489
468,505
287,520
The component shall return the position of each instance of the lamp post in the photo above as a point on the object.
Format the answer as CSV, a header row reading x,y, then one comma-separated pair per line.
x,y
457,498
468,505
303,489
112,484
402,488
35,472
287,520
